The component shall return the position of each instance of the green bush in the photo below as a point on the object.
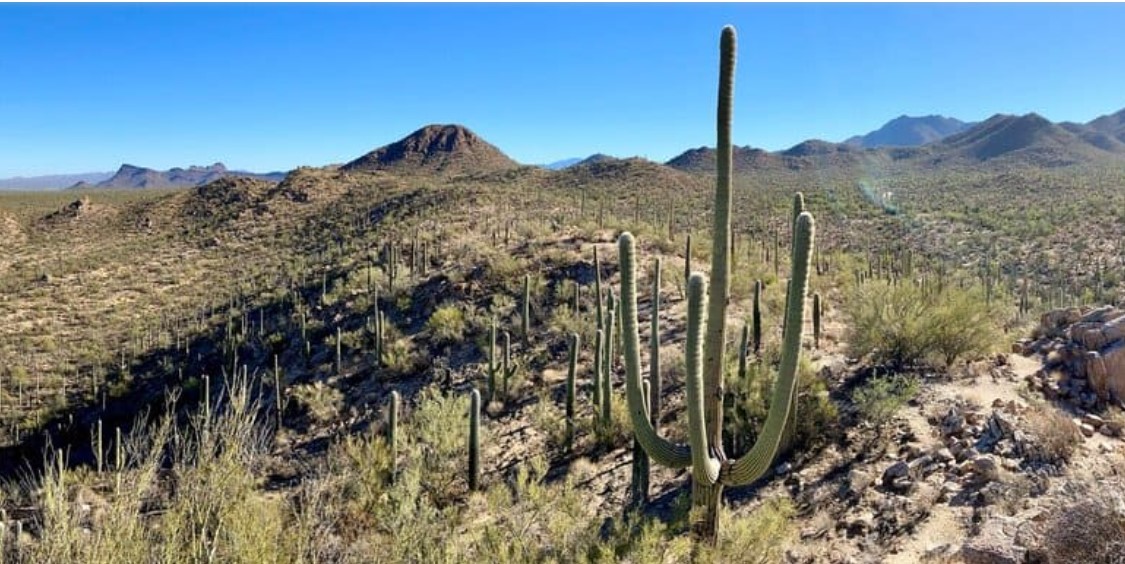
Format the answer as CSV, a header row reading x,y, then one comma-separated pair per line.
x,y
880,398
447,325
748,400
900,324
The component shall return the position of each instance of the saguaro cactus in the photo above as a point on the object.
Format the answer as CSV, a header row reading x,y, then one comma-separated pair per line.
x,y
711,470
526,318
571,374
392,429
756,318
816,312
474,439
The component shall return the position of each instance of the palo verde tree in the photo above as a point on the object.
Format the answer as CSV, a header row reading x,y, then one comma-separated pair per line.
x,y
711,470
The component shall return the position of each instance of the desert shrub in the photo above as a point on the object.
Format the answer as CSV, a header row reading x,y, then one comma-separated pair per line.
x,y
447,324
438,435
900,324
531,521
400,357
881,397
321,403
363,462
619,430
549,419
747,403
758,537
1091,531
1052,436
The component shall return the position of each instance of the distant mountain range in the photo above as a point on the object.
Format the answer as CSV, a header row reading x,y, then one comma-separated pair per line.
x,y
926,141
932,141
905,131
130,176
52,181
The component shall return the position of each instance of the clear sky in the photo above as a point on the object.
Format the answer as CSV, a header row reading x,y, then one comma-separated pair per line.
x,y
270,87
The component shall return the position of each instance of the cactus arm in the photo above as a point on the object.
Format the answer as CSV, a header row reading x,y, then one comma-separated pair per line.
x,y
755,463
715,339
705,468
659,449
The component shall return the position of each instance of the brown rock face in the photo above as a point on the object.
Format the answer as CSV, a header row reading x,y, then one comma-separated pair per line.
x,y
1089,344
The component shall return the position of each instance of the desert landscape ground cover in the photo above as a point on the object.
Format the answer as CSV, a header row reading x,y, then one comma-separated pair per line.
x,y
435,354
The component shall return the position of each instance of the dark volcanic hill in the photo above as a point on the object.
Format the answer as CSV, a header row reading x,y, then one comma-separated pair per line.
x,y
448,149
130,176
906,131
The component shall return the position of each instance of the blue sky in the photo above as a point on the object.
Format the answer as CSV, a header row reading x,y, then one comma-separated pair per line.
x,y
271,87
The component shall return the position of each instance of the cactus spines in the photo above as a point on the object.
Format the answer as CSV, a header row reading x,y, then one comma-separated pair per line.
x,y
816,313
474,439
571,374
392,429
711,470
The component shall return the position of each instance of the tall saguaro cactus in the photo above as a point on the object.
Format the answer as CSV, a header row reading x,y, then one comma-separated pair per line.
x,y
711,470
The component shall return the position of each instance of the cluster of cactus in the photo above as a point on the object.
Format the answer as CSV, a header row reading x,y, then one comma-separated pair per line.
x,y
602,374
711,470
500,370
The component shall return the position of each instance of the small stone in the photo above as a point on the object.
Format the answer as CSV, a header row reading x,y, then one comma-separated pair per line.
x,y
986,468
1093,420
783,469
1087,430
895,471
943,455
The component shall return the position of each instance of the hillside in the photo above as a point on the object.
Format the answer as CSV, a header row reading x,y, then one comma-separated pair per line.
x,y
906,131
1029,138
445,149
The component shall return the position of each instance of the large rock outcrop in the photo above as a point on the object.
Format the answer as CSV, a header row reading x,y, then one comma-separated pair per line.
x,y
1088,346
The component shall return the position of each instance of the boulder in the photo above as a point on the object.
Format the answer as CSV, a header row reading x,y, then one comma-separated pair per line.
x,y
996,544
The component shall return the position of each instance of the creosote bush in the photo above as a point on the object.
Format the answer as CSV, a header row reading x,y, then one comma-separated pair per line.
x,y
447,325
901,324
